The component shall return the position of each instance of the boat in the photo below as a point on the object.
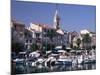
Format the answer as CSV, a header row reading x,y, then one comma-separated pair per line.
x,y
63,62
90,60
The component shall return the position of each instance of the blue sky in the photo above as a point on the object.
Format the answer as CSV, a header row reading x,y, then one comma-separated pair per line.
x,y
73,17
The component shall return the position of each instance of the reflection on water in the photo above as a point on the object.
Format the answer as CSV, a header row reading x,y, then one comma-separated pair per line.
x,y
57,68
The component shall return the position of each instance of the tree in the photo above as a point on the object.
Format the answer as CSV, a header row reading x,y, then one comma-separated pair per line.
x,y
51,33
78,42
71,45
74,47
86,41
17,47
48,46
34,47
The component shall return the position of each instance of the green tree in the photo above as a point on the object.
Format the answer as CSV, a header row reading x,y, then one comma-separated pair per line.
x,y
34,47
71,45
86,41
74,47
48,46
17,47
51,33
78,42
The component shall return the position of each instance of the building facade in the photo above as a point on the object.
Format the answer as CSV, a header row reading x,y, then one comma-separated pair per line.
x,y
21,35
17,32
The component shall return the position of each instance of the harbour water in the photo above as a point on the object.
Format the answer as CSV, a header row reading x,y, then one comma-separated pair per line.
x,y
57,68
60,68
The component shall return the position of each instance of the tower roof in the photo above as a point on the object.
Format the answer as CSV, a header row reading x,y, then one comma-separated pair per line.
x,y
56,19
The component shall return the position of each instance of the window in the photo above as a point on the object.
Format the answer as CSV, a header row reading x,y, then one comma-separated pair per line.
x,y
30,41
27,41
26,46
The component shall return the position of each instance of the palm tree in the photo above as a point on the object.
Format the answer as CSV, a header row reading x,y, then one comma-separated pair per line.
x,y
78,42
86,41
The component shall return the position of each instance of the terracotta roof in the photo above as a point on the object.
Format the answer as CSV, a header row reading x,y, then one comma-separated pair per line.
x,y
43,25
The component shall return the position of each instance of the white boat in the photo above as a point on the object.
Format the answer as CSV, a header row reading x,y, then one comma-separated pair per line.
x,y
79,59
49,60
61,51
34,54
33,64
66,60
89,59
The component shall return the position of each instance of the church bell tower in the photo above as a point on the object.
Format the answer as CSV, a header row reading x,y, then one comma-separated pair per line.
x,y
56,19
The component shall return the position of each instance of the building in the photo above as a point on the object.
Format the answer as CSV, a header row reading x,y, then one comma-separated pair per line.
x,y
72,38
44,34
17,31
21,35
91,38
28,39
56,20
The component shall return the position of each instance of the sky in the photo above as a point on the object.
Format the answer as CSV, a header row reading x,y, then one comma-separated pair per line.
x,y
72,17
